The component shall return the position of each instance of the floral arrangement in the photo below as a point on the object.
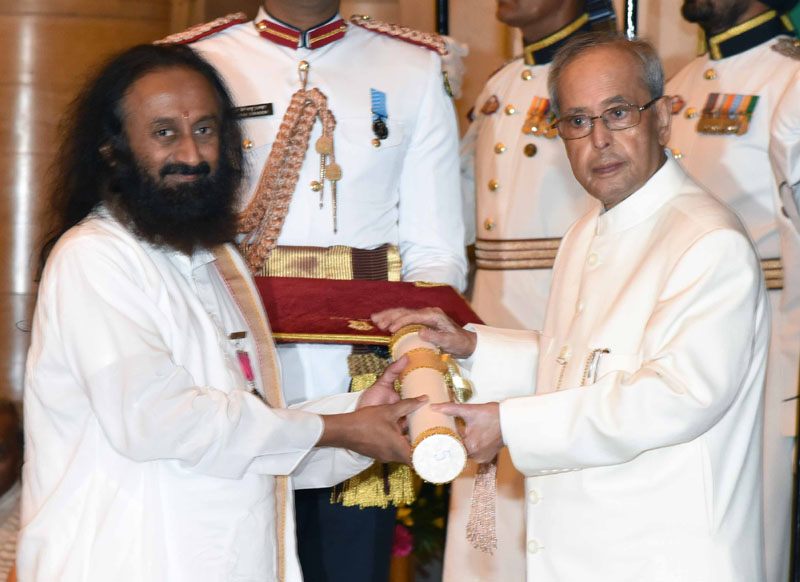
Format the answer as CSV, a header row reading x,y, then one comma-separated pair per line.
x,y
420,528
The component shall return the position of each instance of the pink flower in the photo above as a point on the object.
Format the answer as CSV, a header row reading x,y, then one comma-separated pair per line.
x,y
403,541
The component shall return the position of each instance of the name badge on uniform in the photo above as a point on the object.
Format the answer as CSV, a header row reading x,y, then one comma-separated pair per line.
x,y
260,110
379,116
540,119
727,114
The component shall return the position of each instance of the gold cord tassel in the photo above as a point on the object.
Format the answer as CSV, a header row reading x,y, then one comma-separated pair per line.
x,y
263,219
381,483
481,526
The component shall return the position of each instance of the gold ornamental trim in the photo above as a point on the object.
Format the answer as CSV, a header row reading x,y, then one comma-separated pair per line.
x,y
328,34
554,38
773,274
246,296
420,358
716,40
515,254
401,333
339,338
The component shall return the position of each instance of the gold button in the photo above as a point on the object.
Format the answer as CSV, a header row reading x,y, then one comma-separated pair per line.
x,y
316,186
676,153
489,224
494,185
691,113
530,150
510,110
710,74
499,147
376,142
592,259
526,75
247,144
304,66
262,26
533,546
533,497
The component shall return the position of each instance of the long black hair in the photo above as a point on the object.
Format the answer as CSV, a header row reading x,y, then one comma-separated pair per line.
x,y
93,133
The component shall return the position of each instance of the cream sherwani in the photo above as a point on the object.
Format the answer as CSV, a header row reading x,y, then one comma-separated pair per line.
x,y
642,444
147,456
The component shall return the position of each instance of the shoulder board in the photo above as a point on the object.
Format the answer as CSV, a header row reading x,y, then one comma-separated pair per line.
x,y
198,31
428,40
788,47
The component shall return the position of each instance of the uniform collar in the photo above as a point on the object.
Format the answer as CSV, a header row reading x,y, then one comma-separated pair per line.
x,y
285,35
748,34
662,186
542,51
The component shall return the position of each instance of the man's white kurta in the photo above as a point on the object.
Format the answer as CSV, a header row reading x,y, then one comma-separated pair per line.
x,y
147,457
405,192
642,443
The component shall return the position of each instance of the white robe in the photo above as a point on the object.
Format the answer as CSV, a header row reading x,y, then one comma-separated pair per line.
x,y
147,457
643,463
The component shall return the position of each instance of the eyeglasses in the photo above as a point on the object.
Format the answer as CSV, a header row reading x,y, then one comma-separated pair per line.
x,y
615,118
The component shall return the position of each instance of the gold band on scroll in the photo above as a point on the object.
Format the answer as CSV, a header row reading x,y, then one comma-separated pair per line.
x,y
423,358
401,333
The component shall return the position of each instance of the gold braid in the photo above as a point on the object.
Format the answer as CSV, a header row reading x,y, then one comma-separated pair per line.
x,y
263,218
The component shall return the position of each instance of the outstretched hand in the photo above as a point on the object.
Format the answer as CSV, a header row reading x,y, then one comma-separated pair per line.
x,y
482,433
382,391
376,427
374,431
442,331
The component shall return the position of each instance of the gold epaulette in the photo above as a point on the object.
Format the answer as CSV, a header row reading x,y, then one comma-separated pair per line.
x,y
198,31
428,40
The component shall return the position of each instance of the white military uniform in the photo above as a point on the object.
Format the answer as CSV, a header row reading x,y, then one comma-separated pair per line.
x,y
738,169
404,192
642,443
524,189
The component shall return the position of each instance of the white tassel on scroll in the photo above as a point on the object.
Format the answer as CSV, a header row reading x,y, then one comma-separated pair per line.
x,y
438,454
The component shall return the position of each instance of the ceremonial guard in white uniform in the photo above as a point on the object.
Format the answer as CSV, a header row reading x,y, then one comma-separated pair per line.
x,y
396,150
724,104
514,166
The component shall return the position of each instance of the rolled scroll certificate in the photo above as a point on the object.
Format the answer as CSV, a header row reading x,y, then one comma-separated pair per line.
x,y
437,452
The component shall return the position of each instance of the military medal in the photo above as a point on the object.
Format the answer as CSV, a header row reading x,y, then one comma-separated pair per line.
x,y
379,116
492,104
540,119
727,114
677,104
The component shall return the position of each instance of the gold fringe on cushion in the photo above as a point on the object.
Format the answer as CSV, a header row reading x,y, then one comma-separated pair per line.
x,y
378,486
381,483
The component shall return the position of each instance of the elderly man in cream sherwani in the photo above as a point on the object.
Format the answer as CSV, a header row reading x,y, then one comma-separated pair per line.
x,y
636,413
